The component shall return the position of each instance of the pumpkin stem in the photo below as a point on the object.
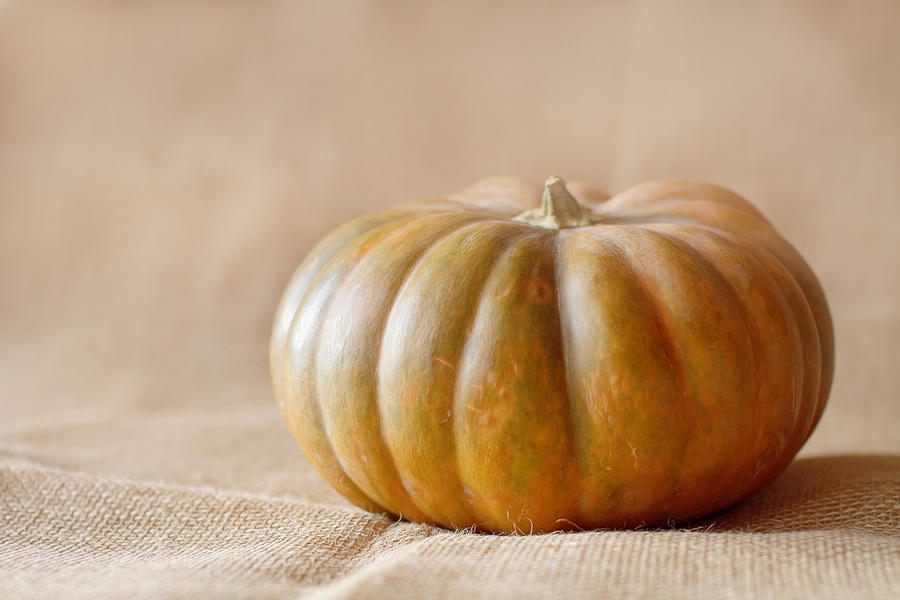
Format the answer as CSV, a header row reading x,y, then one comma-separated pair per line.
x,y
559,209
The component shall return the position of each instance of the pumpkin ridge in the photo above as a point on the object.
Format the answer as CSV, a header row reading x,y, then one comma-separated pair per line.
x,y
822,386
650,285
480,516
669,212
382,327
296,290
404,219
505,233
822,377
400,222
804,323
659,192
390,478
823,327
670,348
756,344
558,275
749,250
491,432
333,458
671,202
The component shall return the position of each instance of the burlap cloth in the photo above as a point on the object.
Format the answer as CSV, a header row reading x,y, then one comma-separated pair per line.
x,y
165,165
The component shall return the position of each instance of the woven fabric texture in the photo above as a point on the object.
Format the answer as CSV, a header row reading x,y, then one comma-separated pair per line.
x,y
827,529
164,166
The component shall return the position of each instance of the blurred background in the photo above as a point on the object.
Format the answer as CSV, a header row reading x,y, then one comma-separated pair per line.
x,y
165,165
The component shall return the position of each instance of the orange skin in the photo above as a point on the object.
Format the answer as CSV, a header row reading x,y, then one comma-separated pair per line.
x,y
645,359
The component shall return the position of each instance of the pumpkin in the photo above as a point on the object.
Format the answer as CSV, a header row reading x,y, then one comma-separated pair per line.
x,y
479,362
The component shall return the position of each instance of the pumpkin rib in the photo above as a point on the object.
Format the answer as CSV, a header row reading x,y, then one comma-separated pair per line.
x,y
448,206
751,253
328,462
481,515
668,204
646,381
711,214
500,211
514,195
292,300
804,334
709,307
759,356
379,344
565,319
756,231
670,348
362,449
508,409
814,297
342,479
806,312
396,446
660,192
304,275
503,212
677,365
558,275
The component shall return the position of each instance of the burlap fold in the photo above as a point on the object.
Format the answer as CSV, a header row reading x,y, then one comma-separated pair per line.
x,y
828,528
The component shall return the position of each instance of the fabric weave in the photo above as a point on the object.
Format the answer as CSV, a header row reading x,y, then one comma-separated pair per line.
x,y
819,531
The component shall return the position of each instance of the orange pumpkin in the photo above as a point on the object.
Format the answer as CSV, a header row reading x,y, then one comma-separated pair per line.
x,y
470,362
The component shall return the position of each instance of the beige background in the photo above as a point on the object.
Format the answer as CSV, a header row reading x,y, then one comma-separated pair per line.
x,y
165,165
